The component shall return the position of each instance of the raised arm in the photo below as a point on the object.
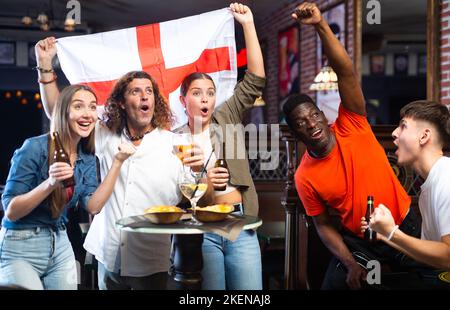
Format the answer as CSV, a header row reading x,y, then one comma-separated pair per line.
x,y
349,87
244,16
45,52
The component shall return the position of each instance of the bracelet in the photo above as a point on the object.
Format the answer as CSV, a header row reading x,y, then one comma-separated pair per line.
x,y
42,70
41,81
392,233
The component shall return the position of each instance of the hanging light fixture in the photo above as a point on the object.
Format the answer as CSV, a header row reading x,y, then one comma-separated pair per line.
x,y
43,21
69,24
27,20
325,80
46,18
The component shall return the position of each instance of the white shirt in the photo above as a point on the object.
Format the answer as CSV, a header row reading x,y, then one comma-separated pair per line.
x,y
147,178
434,201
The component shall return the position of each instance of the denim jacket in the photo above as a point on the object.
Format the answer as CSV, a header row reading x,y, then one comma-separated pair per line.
x,y
29,168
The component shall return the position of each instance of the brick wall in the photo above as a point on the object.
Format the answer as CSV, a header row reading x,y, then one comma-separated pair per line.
x,y
268,33
445,52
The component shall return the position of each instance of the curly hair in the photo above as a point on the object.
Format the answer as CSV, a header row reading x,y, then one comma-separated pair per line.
x,y
116,116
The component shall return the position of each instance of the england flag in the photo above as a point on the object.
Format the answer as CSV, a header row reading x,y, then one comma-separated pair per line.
x,y
168,51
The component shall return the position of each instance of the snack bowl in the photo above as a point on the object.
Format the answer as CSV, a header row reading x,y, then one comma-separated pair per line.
x,y
214,213
163,214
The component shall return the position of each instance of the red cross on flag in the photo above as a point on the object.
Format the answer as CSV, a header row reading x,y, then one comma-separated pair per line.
x,y
168,51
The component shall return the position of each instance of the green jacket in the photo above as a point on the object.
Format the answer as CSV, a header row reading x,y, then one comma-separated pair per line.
x,y
232,112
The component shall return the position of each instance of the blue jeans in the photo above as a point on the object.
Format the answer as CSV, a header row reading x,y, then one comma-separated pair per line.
x,y
37,258
232,265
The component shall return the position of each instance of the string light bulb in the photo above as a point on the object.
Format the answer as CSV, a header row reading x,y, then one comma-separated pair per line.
x,y
69,24
27,20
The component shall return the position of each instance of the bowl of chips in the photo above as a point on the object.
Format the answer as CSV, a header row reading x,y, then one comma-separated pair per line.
x,y
214,213
163,214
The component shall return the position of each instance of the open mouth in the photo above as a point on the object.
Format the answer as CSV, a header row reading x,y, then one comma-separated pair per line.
x,y
316,134
144,108
84,124
204,111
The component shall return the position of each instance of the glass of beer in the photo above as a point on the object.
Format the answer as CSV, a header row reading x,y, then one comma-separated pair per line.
x,y
182,144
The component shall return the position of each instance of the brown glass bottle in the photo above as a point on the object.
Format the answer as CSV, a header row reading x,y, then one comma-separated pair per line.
x,y
369,235
60,155
221,162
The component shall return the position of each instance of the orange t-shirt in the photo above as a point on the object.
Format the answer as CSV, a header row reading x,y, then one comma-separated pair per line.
x,y
355,168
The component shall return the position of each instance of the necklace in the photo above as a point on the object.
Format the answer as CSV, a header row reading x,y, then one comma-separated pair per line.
x,y
136,137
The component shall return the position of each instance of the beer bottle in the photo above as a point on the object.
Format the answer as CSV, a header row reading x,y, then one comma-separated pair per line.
x,y
220,162
369,235
60,155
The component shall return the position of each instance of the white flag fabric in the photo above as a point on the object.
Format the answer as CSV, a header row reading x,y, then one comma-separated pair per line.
x,y
168,51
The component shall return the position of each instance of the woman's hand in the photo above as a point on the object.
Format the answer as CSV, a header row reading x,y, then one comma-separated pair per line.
x,y
241,13
218,176
125,151
59,172
194,158
45,50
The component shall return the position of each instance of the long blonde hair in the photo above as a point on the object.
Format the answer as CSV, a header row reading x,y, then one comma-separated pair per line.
x,y
60,123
